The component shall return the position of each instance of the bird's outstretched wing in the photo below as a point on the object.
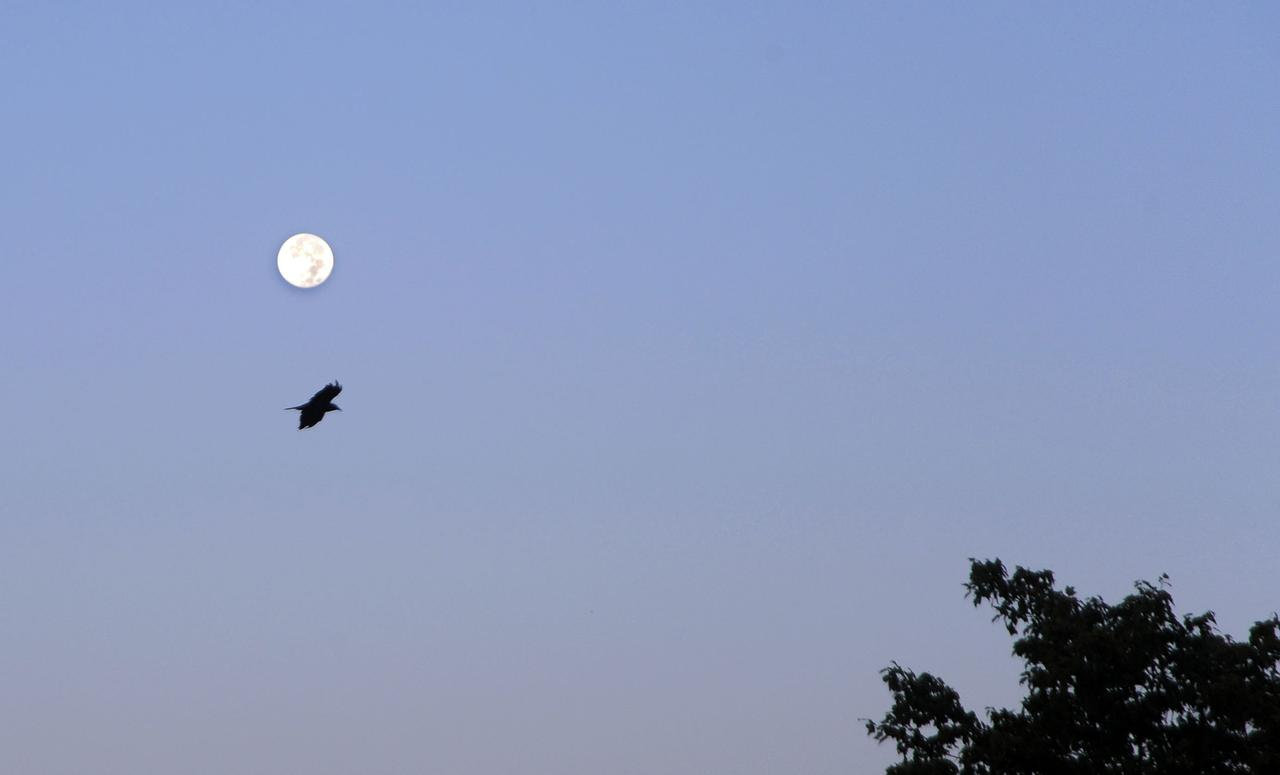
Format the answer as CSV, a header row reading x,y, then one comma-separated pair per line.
x,y
309,416
326,394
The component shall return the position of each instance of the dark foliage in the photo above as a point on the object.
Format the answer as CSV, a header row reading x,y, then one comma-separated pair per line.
x,y
1128,689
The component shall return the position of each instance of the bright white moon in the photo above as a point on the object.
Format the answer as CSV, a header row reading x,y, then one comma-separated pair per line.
x,y
305,260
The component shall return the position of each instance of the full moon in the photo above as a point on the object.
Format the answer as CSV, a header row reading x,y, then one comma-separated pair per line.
x,y
305,260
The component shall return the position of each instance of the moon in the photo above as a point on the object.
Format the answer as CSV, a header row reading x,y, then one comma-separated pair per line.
x,y
305,260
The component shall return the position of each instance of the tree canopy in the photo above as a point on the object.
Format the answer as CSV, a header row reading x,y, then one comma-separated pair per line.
x,y
1128,688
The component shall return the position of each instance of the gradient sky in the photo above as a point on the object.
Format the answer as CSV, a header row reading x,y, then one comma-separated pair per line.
x,y
690,349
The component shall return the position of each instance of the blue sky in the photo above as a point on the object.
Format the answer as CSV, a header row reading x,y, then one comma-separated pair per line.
x,y
689,349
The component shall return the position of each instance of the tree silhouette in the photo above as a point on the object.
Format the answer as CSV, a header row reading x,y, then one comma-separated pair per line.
x,y
1128,689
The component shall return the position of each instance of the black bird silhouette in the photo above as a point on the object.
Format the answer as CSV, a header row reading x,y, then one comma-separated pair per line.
x,y
313,411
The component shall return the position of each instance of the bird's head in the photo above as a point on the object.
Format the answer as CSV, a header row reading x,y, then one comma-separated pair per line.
x,y
333,408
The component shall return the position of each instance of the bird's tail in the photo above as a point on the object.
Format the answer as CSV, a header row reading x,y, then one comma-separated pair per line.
x,y
299,406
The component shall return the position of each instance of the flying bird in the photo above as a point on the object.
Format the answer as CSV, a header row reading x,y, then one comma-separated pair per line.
x,y
313,411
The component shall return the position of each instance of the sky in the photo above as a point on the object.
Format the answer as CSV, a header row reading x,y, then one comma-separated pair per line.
x,y
689,351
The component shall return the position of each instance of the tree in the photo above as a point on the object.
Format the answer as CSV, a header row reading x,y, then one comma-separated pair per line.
x,y
1127,689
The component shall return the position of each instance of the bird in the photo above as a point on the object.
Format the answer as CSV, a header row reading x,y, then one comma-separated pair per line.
x,y
313,411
